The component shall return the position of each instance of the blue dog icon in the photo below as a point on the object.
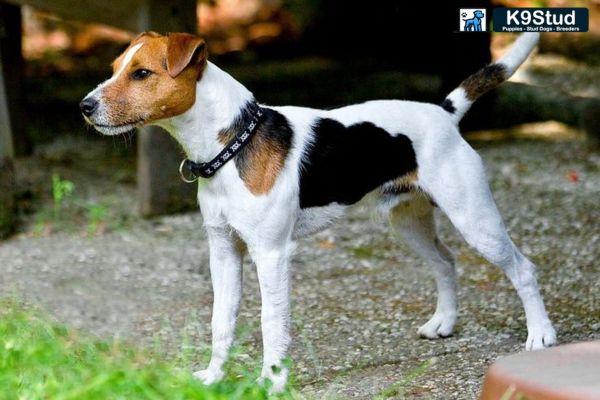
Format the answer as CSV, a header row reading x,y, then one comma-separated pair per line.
x,y
474,24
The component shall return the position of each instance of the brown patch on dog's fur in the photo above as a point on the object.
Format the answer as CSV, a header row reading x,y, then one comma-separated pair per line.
x,y
484,80
406,182
162,94
262,159
266,159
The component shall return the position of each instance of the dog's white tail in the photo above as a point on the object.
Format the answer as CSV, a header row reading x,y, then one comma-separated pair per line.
x,y
460,99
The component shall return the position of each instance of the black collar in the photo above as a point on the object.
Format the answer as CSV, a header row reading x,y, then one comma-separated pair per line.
x,y
190,171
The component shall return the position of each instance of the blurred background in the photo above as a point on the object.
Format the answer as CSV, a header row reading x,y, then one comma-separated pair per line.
x,y
101,232
316,53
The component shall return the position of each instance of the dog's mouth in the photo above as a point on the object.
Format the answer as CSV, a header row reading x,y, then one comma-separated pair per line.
x,y
111,130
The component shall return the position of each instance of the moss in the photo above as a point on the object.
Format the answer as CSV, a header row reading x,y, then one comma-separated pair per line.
x,y
363,252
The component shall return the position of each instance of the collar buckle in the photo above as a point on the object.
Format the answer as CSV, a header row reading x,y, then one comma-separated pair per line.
x,y
186,172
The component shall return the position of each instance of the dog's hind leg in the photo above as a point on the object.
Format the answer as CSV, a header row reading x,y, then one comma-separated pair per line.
x,y
415,222
458,185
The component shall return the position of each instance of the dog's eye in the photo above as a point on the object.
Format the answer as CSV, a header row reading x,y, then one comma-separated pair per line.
x,y
140,74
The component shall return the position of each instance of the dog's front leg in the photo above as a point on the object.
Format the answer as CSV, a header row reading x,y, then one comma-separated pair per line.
x,y
273,266
226,256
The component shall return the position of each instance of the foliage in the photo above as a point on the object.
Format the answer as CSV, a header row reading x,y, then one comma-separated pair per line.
x,y
61,190
69,211
40,359
96,215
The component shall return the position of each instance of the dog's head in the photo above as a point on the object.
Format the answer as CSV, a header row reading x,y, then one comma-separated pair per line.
x,y
478,14
155,78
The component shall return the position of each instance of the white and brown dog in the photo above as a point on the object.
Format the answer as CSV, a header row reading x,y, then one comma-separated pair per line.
x,y
274,174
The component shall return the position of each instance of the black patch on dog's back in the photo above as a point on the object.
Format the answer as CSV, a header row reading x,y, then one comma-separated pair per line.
x,y
448,106
345,163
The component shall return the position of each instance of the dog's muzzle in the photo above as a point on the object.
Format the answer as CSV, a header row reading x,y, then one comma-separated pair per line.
x,y
88,106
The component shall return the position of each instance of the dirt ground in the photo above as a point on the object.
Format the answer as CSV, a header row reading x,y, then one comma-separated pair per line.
x,y
359,294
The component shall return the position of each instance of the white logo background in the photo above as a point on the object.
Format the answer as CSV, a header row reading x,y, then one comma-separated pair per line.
x,y
469,15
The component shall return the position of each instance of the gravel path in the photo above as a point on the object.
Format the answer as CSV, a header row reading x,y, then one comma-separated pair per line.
x,y
358,293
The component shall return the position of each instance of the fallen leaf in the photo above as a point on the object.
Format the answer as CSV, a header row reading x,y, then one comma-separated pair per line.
x,y
326,244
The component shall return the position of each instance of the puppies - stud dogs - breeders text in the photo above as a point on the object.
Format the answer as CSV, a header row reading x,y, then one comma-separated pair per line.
x,y
273,174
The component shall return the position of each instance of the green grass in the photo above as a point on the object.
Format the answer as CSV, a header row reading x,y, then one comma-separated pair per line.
x,y
40,359
398,388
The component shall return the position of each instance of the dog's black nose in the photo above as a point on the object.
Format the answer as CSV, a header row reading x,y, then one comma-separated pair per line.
x,y
88,106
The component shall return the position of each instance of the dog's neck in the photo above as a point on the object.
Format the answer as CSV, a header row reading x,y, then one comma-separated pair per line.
x,y
219,100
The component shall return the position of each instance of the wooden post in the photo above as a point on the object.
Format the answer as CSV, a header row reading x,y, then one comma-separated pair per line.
x,y
10,47
7,203
159,188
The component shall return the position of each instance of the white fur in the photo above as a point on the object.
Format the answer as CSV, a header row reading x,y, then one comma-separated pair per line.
x,y
519,51
415,222
514,57
460,101
315,219
226,272
126,60
450,173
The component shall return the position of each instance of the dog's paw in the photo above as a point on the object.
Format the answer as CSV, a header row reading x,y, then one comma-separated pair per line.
x,y
539,337
209,376
278,379
439,326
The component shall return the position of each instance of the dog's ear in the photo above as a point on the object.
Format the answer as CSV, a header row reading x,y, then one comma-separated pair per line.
x,y
150,34
184,50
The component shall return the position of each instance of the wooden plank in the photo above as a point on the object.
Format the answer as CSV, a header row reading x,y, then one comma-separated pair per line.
x,y
6,145
159,188
123,14
7,216
10,45
168,16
